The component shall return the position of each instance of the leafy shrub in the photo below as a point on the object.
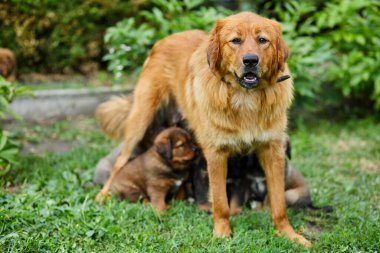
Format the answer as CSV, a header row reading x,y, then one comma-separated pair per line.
x,y
352,27
130,40
335,49
8,148
57,36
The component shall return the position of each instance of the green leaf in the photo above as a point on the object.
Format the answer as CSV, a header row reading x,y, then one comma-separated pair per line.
x,y
3,140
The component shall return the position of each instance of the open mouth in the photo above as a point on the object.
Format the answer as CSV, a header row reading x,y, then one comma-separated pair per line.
x,y
249,80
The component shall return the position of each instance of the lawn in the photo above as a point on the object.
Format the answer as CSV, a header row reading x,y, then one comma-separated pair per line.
x,y
47,202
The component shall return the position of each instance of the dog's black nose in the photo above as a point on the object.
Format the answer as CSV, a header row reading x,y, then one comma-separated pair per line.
x,y
250,60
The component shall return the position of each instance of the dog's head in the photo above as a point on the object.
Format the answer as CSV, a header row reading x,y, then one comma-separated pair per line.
x,y
247,50
176,147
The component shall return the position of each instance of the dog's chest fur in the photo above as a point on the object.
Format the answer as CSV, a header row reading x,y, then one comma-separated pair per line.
x,y
236,118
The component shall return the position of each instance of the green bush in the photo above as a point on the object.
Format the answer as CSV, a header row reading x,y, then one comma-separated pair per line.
x,y
335,49
353,29
8,148
58,36
130,40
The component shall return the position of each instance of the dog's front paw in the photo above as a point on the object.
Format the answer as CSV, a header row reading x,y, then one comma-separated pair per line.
x,y
222,228
297,238
101,196
301,240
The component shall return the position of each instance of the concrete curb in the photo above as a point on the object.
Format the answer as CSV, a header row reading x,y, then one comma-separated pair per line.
x,y
53,104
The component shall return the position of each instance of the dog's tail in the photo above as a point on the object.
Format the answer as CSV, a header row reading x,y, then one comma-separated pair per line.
x,y
112,115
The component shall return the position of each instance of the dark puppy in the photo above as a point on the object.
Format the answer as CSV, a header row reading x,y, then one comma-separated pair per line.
x,y
153,174
246,183
7,64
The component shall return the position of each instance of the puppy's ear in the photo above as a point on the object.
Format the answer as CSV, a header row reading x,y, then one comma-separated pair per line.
x,y
164,149
288,149
283,53
213,50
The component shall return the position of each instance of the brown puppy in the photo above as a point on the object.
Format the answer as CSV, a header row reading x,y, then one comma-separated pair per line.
x,y
112,116
226,85
153,174
7,64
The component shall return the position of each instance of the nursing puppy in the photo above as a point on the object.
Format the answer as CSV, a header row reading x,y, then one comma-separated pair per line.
x,y
246,183
156,173
227,86
7,64
112,116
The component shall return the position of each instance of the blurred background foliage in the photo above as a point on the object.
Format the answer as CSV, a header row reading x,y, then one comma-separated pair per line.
x,y
335,44
9,149
59,36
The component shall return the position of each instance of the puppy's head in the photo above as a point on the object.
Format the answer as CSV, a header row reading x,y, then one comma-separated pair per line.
x,y
247,50
176,147
7,62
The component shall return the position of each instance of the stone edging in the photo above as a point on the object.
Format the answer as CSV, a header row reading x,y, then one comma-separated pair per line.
x,y
53,104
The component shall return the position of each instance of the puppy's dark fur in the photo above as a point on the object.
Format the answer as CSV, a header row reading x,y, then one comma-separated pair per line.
x,y
153,174
7,64
246,183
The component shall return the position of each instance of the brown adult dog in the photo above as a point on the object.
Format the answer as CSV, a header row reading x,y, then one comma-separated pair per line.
x,y
7,64
153,174
226,85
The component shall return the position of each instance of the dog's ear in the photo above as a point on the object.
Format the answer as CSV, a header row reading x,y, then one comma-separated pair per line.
x,y
164,149
283,53
213,50
282,49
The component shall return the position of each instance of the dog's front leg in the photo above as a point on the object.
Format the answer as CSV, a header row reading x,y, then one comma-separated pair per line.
x,y
217,171
272,159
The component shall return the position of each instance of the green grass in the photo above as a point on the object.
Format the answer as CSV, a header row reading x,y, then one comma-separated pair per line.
x,y
47,203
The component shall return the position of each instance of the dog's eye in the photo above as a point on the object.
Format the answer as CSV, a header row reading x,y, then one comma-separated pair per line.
x,y
236,41
262,40
180,145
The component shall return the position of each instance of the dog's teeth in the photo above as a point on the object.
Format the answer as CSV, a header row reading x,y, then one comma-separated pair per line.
x,y
250,79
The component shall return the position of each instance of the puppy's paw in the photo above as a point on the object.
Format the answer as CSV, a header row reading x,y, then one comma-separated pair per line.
x,y
205,207
160,209
236,210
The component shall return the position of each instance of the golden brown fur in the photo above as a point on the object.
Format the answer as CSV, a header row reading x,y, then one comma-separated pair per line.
x,y
154,173
112,115
7,64
203,74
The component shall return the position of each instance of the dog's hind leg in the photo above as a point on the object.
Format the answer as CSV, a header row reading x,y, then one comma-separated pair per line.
x,y
148,97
